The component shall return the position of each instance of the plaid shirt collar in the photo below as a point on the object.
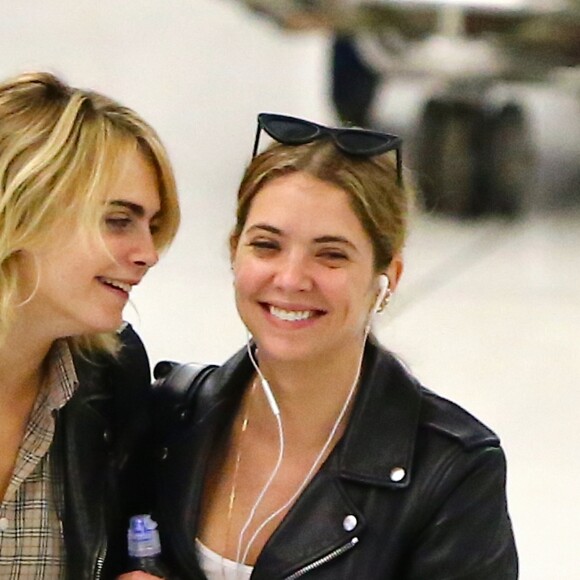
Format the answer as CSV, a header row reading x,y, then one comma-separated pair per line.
x,y
31,541
62,377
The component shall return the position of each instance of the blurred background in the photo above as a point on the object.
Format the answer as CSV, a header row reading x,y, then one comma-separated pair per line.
x,y
487,96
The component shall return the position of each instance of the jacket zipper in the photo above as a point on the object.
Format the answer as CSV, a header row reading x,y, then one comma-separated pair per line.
x,y
100,563
325,559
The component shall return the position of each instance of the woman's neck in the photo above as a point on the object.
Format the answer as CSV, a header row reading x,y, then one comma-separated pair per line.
x,y
310,394
22,364
22,374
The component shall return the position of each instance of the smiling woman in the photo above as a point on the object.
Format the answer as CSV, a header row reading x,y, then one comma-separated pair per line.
x,y
304,271
48,132
87,202
314,452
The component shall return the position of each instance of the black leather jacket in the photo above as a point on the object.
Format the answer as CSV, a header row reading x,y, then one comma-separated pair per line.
x,y
415,490
95,433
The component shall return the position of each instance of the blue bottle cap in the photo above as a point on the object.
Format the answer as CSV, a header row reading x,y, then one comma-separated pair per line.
x,y
143,537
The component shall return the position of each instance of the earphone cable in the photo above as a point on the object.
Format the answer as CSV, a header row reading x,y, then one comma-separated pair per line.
x,y
276,467
316,461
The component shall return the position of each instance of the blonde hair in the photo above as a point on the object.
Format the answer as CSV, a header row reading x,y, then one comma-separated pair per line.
x,y
381,204
60,149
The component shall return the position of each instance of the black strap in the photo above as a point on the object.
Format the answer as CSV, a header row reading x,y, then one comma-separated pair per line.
x,y
174,391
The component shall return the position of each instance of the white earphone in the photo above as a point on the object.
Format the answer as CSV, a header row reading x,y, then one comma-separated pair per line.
x,y
269,394
265,384
384,288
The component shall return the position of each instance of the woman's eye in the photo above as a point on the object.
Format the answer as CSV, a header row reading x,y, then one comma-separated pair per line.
x,y
118,223
264,245
333,255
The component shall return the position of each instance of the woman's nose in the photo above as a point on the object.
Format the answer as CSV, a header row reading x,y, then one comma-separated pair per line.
x,y
145,252
293,275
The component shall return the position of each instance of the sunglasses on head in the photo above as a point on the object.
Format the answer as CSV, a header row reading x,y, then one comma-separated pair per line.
x,y
357,142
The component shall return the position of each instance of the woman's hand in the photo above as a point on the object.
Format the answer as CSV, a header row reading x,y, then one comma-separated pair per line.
x,y
137,576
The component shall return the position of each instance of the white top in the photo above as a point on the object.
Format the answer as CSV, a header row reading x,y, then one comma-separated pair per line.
x,y
216,567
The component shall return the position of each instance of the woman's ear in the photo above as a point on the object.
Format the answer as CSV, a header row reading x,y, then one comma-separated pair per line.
x,y
232,255
395,271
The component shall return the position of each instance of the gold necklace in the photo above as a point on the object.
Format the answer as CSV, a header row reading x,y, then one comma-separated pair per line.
x,y
232,494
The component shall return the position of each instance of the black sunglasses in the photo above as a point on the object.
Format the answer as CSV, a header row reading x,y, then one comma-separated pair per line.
x,y
358,142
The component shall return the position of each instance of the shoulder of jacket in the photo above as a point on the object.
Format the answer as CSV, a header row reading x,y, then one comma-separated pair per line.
x,y
125,377
434,413
132,349
451,420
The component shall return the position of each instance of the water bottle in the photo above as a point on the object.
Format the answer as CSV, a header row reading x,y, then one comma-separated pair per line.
x,y
144,546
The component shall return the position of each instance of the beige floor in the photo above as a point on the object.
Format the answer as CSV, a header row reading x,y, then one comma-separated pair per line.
x,y
488,313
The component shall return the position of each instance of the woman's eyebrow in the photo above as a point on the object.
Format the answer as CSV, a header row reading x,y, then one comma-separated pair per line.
x,y
332,239
335,240
327,239
265,227
135,208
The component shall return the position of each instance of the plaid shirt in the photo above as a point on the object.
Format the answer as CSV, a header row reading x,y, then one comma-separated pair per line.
x,y
31,539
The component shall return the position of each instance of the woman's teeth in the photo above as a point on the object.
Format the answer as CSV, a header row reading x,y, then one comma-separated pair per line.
x,y
291,315
116,284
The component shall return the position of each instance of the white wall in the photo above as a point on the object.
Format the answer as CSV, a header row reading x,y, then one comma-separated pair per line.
x,y
199,71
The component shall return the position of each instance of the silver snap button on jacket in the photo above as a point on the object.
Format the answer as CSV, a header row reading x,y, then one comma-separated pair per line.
x,y
349,523
397,474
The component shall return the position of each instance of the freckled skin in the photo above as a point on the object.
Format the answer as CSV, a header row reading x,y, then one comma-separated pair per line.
x,y
303,248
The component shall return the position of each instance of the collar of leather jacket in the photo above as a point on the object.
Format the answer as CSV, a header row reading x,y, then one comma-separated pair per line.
x,y
390,408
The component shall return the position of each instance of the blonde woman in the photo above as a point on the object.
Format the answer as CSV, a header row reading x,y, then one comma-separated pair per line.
x,y
87,201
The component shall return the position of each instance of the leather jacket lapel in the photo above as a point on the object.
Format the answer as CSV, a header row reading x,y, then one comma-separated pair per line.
x,y
379,443
304,538
84,438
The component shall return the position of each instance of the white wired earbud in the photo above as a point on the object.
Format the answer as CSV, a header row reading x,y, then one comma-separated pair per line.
x,y
384,291
265,384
